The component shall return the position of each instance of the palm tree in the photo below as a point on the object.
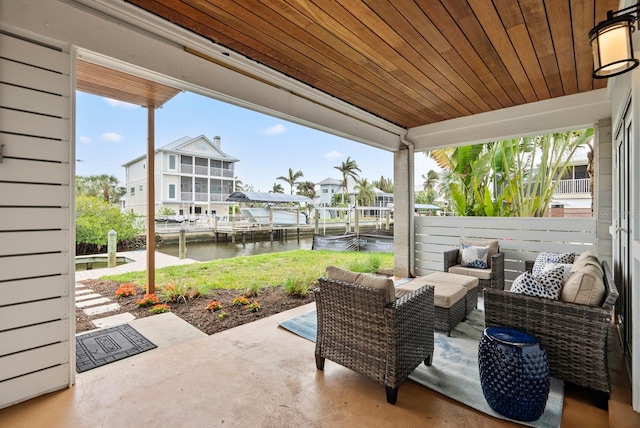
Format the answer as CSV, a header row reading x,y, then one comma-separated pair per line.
x,y
102,186
292,179
348,168
430,180
239,185
384,184
277,188
365,193
516,177
306,188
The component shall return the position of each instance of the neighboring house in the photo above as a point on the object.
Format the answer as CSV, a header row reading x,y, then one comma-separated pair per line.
x,y
192,176
328,188
572,197
331,186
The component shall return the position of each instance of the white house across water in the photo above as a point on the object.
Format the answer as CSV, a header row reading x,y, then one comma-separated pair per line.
x,y
193,176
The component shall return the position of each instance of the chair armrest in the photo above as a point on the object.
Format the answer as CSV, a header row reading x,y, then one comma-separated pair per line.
x,y
497,271
610,287
410,324
450,259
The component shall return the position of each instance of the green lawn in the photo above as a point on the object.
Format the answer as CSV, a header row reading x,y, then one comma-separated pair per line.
x,y
264,270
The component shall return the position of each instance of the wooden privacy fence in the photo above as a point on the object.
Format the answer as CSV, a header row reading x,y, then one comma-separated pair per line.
x,y
520,238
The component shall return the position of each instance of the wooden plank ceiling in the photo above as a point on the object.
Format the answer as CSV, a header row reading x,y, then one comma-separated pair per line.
x,y
411,62
106,82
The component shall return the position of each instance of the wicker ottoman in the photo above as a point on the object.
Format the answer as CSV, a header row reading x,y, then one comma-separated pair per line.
x,y
448,299
470,283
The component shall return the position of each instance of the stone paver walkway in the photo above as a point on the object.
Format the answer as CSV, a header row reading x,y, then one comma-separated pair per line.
x,y
95,304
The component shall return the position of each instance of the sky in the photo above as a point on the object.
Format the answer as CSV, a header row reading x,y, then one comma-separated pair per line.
x,y
110,133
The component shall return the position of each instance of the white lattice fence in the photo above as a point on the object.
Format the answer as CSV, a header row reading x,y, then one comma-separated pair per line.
x,y
520,238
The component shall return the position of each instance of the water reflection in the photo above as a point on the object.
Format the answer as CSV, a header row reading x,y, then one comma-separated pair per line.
x,y
205,251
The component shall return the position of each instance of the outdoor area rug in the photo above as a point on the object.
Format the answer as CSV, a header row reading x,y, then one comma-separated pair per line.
x,y
454,371
105,346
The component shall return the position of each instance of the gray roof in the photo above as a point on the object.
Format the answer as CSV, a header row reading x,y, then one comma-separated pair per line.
x,y
330,180
175,146
266,197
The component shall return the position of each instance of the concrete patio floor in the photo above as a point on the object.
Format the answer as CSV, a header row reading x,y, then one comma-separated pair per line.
x,y
257,374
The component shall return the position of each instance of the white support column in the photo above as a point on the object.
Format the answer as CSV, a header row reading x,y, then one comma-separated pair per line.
x,y
403,230
603,188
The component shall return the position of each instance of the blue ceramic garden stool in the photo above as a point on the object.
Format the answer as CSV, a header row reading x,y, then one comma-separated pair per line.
x,y
514,373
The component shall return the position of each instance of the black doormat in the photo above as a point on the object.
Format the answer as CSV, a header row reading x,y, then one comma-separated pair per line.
x,y
102,347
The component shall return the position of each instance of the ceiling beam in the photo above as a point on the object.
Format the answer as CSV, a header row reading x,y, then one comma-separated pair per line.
x,y
554,115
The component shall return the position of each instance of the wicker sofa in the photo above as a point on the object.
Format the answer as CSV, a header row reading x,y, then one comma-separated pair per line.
x,y
574,335
363,327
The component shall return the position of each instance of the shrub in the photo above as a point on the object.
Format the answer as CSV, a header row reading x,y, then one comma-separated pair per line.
x,y
252,291
240,301
369,265
223,315
158,309
174,293
95,218
214,305
253,306
126,290
147,300
295,288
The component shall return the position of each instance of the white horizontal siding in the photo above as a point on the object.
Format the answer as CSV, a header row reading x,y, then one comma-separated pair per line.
x,y
35,336
32,218
36,231
30,289
22,388
25,314
22,146
519,238
32,266
34,195
20,122
20,50
33,171
15,97
27,242
33,360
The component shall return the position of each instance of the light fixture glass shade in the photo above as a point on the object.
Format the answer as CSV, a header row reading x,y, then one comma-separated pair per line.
x,y
612,47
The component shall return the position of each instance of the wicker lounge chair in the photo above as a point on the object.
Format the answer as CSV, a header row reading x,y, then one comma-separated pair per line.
x,y
361,329
492,277
574,335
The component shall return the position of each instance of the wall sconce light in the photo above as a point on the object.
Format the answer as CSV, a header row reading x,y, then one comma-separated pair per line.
x,y
611,43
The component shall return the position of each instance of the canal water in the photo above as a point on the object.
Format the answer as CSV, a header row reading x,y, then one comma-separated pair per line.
x,y
206,251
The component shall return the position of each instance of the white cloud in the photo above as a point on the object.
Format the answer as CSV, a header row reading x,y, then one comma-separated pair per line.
x,y
84,140
332,154
275,129
111,137
116,103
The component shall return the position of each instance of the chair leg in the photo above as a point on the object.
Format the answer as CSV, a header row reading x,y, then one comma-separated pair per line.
x,y
319,362
601,400
428,360
392,394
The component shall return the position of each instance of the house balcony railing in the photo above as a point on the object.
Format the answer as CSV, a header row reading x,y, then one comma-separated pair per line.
x,y
221,172
578,185
201,197
186,169
202,170
218,197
